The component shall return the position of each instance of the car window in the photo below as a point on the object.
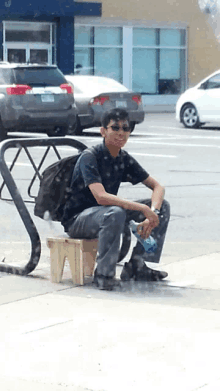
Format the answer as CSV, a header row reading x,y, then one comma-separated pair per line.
x,y
5,76
39,76
213,82
96,85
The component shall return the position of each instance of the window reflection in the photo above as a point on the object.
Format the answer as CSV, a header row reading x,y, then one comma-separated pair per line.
x,y
39,56
157,70
33,42
155,64
17,55
104,60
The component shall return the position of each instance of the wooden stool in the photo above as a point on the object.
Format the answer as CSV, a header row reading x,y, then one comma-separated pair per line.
x,y
81,254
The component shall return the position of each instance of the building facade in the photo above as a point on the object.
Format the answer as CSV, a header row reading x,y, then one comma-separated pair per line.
x,y
156,48
41,31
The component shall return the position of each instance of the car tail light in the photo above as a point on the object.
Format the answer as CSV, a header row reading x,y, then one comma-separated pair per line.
x,y
18,89
137,99
67,87
99,100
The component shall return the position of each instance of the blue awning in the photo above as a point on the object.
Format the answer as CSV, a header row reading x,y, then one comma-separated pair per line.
x,y
51,8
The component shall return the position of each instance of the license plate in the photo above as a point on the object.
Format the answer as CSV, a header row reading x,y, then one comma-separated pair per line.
x,y
47,98
121,103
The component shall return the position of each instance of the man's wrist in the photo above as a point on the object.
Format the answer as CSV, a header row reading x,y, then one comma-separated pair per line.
x,y
146,211
155,210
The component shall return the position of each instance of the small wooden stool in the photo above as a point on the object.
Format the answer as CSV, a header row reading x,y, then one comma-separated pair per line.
x,y
81,254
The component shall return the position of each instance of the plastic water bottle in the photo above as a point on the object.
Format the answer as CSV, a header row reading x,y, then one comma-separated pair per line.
x,y
149,244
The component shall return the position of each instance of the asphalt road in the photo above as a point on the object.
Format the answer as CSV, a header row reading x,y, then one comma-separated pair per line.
x,y
184,161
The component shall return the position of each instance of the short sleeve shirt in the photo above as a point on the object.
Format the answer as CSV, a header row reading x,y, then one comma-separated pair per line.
x,y
97,165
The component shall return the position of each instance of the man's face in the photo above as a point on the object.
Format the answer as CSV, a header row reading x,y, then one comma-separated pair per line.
x,y
117,133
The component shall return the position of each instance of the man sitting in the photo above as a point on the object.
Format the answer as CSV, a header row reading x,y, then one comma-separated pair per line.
x,y
96,211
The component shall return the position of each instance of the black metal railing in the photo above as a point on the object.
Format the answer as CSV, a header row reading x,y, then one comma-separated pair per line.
x,y
27,145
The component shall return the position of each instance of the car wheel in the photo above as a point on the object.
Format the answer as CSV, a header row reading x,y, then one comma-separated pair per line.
x,y
189,116
58,131
3,132
77,128
132,126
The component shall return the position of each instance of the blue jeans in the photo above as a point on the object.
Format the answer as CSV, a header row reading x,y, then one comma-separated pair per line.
x,y
107,224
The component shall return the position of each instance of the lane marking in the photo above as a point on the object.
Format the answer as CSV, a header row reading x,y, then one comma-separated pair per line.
x,y
150,142
178,128
170,135
151,154
173,144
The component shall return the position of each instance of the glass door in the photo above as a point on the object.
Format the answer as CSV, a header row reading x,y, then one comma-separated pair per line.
x,y
30,53
39,53
39,56
16,55
29,42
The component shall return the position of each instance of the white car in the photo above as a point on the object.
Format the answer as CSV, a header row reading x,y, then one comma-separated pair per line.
x,y
200,104
94,95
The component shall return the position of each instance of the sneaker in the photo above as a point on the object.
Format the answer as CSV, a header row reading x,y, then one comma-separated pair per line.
x,y
144,273
127,272
104,282
147,274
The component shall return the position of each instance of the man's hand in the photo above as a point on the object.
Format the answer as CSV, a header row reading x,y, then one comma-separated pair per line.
x,y
152,217
144,229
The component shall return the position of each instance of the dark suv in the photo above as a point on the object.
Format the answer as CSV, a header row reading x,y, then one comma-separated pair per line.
x,y
35,98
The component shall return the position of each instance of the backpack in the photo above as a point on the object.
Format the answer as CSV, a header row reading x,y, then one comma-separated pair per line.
x,y
55,188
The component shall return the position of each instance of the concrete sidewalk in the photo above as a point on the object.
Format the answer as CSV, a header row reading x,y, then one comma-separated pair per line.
x,y
143,336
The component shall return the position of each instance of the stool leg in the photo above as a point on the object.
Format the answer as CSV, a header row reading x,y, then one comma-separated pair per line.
x,y
75,259
89,256
57,260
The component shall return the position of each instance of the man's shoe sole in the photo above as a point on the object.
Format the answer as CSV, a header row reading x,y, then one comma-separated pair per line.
x,y
151,275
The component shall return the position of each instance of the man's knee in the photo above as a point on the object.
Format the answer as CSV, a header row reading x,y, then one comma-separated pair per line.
x,y
116,215
165,209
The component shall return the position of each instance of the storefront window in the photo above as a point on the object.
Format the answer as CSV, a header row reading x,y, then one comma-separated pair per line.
x,y
27,32
83,35
83,61
28,36
159,71
144,37
39,56
169,76
33,42
17,55
108,62
144,70
108,36
154,64
170,37
98,51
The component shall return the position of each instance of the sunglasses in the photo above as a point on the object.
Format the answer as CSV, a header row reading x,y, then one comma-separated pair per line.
x,y
116,128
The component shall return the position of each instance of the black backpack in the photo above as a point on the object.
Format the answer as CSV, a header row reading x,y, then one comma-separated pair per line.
x,y
55,188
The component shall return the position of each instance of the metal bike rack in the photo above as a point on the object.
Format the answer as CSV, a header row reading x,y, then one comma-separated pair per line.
x,y
24,144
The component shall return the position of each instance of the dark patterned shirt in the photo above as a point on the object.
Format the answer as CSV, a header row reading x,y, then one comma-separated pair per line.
x,y
97,165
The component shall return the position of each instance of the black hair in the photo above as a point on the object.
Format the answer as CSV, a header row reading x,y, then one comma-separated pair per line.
x,y
115,115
